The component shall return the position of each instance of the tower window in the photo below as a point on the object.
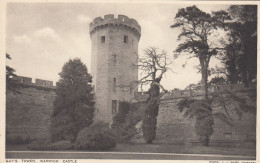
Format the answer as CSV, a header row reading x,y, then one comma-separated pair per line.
x,y
125,39
103,39
114,58
114,106
114,85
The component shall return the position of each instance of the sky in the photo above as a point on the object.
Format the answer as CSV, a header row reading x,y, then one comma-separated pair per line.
x,y
41,37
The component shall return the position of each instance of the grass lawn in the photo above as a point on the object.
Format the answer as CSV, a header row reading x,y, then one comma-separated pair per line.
x,y
185,149
166,148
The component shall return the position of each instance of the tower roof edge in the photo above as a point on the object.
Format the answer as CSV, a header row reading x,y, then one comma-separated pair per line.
x,y
110,19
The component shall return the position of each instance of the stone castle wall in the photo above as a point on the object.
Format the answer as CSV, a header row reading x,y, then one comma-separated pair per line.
x,y
173,127
28,111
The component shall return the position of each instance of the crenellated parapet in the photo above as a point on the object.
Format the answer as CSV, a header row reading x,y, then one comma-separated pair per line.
x,y
177,94
110,20
38,82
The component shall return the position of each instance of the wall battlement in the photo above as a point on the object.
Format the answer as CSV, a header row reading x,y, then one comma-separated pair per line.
x,y
38,82
175,94
122,20
142,96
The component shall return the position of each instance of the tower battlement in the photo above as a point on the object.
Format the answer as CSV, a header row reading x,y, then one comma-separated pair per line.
x,y
110,20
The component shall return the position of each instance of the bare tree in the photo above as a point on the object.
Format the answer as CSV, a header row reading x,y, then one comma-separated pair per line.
x,y
154,64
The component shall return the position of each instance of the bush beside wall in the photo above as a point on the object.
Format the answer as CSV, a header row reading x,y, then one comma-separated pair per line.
x,y
96,137
17,139
125,120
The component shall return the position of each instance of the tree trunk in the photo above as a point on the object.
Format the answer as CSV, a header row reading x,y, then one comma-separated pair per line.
x,y
150,114
204,80
204,140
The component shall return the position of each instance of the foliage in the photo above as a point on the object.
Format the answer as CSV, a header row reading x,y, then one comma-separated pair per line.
x,y
231,102
60,145
150,114
136,113
243,13
125,120
74,103
202,112
96,137
224,101
204,120
217,81
149,125
240,59
39,145
197,27
18,139
122,130
11,85
48,145
123,110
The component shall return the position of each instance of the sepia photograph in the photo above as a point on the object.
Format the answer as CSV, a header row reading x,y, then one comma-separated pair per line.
x,y
131,81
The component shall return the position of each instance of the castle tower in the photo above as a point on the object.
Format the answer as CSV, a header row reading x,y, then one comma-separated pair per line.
x,y
114,52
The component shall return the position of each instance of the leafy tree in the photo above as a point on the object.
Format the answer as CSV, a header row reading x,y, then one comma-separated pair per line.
x,y
243,13
154,64
74,103
217,81
240,59
197,28
11,85
203,114
226,105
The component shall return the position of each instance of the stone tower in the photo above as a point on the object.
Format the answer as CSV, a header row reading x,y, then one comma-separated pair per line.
x,y
114,52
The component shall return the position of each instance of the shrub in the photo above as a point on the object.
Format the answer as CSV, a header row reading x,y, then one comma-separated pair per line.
x,y
60,145
119,126
96,137
202,112
136,113
48,145
204,121
39,145
18,139
125,120
123,110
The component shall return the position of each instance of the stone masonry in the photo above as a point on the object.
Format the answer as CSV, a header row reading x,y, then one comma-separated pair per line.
x,y
173,127
114,52
28,111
